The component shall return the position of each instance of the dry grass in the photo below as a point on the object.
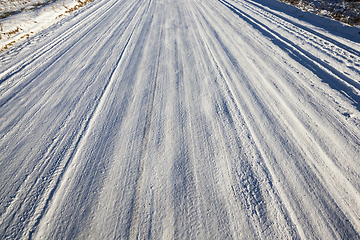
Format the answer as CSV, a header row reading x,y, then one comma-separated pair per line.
x,y
79,5
10,33
7,46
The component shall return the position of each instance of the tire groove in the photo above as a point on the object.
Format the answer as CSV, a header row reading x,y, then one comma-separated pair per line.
x,y
58,165
81,138
338,80
138,183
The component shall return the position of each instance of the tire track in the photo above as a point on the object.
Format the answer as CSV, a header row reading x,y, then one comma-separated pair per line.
x,y
139,181
60,165
115,110
7,73
325,71
328,204
191,129
79,142
35,103
245,185
26,66
327,47
273,15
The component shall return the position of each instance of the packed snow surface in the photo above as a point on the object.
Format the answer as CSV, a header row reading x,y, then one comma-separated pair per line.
x,y
191,119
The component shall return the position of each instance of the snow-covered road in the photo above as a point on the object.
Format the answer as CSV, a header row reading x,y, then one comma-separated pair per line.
x,y
193,119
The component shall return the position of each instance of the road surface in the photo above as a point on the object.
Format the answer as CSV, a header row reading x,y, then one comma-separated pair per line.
x,y
193,119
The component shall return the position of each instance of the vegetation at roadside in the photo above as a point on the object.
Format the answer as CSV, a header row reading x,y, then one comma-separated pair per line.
x,y
11,7
347,11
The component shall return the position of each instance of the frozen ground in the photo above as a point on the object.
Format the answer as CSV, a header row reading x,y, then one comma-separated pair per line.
x,y
191,119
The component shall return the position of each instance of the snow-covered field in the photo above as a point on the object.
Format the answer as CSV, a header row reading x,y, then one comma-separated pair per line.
x,y
193,119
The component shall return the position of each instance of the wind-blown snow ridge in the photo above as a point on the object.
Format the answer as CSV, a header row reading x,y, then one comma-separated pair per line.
x,y
214,119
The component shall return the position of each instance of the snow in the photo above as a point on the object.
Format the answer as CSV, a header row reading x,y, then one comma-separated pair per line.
x,y
218,119
30,19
